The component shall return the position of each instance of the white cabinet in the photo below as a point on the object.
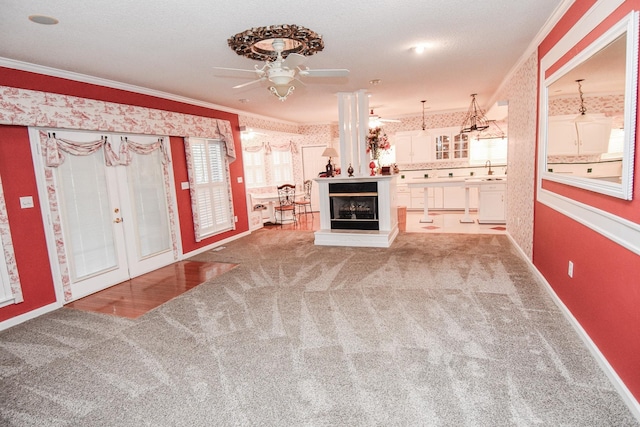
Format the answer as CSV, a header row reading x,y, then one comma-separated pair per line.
x,y
566,137
450,144
417,198
491,203
404,195
412,147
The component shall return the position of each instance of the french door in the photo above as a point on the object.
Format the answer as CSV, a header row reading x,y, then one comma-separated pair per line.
x,y
114,220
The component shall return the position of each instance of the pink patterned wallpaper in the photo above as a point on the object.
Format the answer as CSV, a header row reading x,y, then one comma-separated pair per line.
x,y
522,93
611,105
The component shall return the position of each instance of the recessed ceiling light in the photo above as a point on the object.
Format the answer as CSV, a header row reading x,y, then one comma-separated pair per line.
x,y
420,48
42,19
375,82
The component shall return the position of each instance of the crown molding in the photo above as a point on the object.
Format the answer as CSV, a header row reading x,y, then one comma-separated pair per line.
x,y
84,78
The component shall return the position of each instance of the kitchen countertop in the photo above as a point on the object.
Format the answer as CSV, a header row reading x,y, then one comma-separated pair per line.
x,y
456,181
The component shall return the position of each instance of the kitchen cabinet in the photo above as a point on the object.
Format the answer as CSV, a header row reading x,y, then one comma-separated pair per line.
x,y
491,203
412,147
567,138
403,196
450,144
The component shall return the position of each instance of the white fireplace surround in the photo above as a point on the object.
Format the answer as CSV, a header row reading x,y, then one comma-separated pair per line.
x,y
387,215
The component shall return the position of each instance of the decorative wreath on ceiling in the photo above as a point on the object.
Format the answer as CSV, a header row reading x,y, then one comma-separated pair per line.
x,y
256,43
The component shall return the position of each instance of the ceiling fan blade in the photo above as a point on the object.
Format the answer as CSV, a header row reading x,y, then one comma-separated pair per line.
x,y
236,69
293,60
324,73
249,83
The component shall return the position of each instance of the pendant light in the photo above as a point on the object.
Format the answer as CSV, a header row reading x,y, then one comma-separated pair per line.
x,y
424,131
582,117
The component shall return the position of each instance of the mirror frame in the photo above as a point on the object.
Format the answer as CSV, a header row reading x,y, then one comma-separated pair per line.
x,y
623,190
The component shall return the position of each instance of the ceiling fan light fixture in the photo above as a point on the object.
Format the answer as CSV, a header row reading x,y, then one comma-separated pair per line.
x,y
282,91
283,48
475,120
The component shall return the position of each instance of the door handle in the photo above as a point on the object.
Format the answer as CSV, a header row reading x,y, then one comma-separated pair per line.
x,y
117,220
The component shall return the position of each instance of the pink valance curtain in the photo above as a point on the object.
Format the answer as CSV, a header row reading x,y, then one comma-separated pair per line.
x,y
268,147
54,148
226,134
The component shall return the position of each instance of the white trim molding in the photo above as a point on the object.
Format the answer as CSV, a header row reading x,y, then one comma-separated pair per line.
x,y
626,395
617,229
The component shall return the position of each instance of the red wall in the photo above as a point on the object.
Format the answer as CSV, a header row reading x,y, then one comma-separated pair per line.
x,y
184,200
18,179
27,230
604,293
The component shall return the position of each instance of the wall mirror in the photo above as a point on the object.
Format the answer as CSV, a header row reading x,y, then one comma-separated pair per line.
x,y
588,112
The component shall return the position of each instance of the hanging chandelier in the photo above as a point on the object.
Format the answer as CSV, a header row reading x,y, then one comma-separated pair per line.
x,y
493,131
424,126
475,121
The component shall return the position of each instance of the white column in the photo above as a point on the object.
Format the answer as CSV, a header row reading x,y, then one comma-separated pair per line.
x,y
353,116
363,130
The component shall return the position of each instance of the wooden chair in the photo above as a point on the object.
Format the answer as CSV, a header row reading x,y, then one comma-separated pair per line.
x,y
305,202
286,204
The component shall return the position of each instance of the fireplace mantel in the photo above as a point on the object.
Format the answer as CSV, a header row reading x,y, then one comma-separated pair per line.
x,y
386,214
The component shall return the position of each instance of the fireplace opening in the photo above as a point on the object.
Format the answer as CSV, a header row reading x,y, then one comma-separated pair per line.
x,y
354,206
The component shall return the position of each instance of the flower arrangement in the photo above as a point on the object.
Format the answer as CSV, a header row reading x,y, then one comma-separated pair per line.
x,y
377,140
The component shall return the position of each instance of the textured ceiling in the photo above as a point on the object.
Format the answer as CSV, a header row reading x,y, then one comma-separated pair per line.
x,y
172,47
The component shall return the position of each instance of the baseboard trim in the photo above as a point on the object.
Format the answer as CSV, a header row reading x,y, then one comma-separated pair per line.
x,y
214,245
9,323
618,384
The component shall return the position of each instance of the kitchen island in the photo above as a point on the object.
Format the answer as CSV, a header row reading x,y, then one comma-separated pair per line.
x,y
467,183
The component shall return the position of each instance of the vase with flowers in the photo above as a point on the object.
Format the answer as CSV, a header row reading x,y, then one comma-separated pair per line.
x,y
377,142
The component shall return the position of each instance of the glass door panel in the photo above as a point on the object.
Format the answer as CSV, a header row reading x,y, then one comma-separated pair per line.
x,y
149,243
89,215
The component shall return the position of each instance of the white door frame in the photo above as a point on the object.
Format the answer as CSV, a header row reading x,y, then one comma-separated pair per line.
x,y
43,196
312,157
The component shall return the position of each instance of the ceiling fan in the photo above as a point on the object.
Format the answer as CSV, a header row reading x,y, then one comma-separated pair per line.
x,y
375,120
280,72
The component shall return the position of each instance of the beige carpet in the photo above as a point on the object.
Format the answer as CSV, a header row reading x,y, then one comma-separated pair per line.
x,y
439,330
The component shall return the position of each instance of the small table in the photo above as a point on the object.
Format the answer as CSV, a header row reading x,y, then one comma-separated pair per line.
x,y
270,200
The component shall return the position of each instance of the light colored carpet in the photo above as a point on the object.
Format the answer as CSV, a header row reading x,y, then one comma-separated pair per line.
x,y
438,330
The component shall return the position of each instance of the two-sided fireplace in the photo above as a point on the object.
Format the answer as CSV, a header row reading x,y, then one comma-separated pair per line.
x,y
354,206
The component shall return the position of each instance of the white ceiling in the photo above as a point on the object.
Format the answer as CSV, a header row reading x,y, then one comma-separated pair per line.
x,y
172,46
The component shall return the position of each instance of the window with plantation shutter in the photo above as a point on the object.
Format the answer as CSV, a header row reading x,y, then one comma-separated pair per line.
x,y
211,189
282,167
